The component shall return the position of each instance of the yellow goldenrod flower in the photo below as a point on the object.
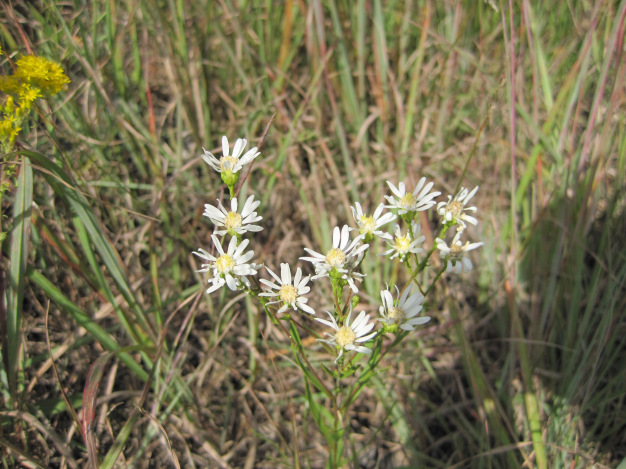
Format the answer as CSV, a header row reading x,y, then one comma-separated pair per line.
x,y
8,130
41,73
34,77
10,85
28,94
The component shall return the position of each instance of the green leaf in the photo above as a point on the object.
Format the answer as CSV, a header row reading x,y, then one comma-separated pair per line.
x,y
18,256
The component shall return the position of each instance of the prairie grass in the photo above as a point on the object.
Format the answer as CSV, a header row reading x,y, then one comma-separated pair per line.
x,y
523,362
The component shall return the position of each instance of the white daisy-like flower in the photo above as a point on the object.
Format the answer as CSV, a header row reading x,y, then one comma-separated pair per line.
x,y
455,254
344,257
229,268
234,222
415,201
231,163
347,336
404,245
403,311
287,292
455,207
368,225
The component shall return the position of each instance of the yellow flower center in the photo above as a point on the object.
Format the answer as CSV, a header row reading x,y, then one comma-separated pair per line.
x,y
456,251
367,224
224,264
288,294
407,201
335,257
397,315
345,336
455,208
232,221
228,163
402,244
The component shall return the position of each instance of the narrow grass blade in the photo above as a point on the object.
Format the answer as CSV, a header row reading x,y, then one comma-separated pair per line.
x,y
63,186
83,320
17,272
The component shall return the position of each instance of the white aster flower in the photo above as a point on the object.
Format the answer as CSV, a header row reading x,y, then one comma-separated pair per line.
x,y
455,254
403,245
231,267
403,311
287,292
344,257
454,208
234,222
231,163
368,226
415,201
347,337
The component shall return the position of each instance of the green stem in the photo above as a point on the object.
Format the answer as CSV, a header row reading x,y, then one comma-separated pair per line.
x,y
439,274
297,344
366,375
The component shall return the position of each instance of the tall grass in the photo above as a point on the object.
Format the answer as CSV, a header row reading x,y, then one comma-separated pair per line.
x,y
523,362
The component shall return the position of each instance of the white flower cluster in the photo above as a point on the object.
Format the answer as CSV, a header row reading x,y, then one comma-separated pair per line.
x,y
231,267
342,262
453,212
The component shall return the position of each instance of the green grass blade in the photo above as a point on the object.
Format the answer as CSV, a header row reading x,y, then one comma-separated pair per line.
x,y
83,320
17,272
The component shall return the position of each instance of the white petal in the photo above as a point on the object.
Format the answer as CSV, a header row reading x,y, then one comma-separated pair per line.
x,y
316,255
419,186
359,349
285,274
231,282
240,248
470,195
249,156
304,307
328,323
245,258
217,284
418,321
469,219
274,275
204,255
387,299
364,329
361,318
297,278
250,206
218,245
225,147
367,337
469,247
345,236
269,284
240,144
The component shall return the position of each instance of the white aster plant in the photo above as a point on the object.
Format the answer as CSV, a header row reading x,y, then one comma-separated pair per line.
x,y
230,164
409,202
454,210
369,226
234,222
404,245
455,255
288,291
341,261
283,296
403,312
349,335
231,267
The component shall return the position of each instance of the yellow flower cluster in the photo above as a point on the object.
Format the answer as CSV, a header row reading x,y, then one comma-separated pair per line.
x,y
34,77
